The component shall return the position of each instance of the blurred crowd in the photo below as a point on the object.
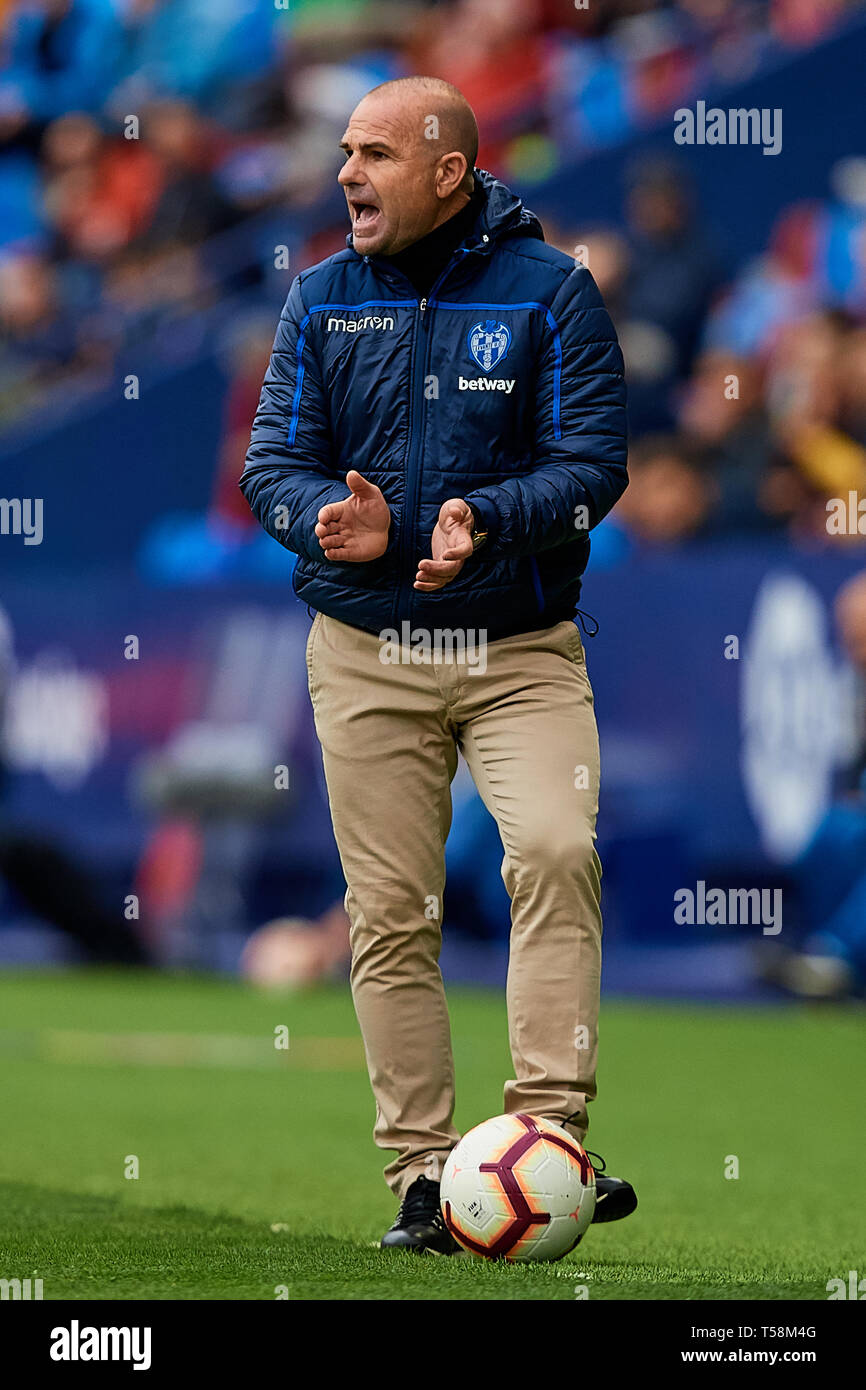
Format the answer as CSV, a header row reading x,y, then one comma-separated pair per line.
x,y
747,394
142,140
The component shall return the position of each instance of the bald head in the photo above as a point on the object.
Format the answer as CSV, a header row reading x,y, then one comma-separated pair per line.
x,y
440,110
410,148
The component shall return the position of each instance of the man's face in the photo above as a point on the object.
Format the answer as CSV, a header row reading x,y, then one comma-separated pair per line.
x,y
389,177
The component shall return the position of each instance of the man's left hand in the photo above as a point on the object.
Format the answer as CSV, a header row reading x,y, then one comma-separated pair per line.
x,y
451,546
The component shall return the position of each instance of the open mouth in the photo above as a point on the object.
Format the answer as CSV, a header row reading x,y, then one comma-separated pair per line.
x,y
364,216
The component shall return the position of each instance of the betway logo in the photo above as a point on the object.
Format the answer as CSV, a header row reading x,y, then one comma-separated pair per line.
x,y
485,383
355,325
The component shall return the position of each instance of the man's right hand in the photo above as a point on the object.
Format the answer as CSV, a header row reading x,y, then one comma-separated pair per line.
x,y
357,528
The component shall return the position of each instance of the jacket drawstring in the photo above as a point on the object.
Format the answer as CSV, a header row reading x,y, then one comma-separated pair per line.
x,y
580,613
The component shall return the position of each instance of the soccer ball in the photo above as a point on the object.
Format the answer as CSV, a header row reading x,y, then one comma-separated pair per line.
x,y
518,1188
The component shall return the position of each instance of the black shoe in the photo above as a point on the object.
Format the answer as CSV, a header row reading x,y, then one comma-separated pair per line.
x,y
419,1225
614,1197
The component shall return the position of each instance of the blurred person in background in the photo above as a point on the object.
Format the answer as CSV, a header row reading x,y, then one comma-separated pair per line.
x,y
297,951
224,542
43,877
494,51
722,412
831,873
605,253
59,56
660,276
805,404
670,496
650,353
98,193
815,259
772,290
247,361
190,205
38,343
851,382
674,271
192,49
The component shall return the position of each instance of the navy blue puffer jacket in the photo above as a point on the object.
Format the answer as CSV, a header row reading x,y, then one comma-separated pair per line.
x,y
504,387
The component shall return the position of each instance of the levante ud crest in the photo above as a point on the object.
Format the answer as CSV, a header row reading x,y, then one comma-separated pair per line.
x,y
489,343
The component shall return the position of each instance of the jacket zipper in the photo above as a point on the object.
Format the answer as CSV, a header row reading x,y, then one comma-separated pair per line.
x,y
407,570
421,340
421,349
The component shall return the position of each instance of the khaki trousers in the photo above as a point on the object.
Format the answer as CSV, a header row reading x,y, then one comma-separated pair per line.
x,y
521,712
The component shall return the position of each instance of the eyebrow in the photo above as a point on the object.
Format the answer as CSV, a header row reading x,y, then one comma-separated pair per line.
x,y
368,145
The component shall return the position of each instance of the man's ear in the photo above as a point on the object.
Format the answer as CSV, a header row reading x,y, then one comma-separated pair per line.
x,y
450,173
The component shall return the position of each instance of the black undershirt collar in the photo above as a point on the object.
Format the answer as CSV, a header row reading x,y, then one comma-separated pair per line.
x,y
424,261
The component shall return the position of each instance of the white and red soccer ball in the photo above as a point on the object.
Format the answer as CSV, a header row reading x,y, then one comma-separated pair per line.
x,y
518,1187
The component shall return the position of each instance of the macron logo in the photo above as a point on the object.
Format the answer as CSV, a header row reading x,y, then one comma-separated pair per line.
x,y
485,383
355,325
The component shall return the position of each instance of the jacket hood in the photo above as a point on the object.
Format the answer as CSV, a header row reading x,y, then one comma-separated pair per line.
x,y
504,214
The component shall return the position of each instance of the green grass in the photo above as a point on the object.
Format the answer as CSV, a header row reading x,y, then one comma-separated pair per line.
x,y
235,1138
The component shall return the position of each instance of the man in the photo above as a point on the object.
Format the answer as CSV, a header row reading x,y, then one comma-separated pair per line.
x,y
468,377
